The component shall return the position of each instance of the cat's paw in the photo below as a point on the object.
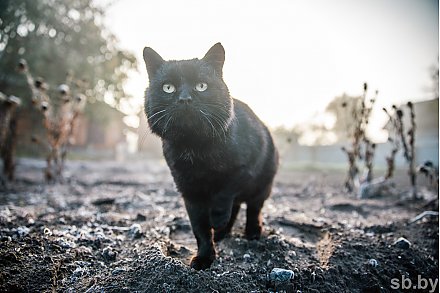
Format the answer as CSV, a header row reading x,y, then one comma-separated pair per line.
x,y
253,233
219,219
201,262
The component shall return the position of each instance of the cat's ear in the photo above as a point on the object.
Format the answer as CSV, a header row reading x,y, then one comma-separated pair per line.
x,y
216,57
153,61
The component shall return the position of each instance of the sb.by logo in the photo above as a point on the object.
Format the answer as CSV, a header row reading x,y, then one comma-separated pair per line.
x,y
422,283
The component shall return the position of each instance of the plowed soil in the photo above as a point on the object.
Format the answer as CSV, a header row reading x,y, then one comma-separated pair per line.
x,y
122,227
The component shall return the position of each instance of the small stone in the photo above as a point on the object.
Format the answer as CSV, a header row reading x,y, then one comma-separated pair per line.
x,y
281,275
22,231
402,243
78,272
63,89
82,263
140,217
118,270
292,253
64,243
247,257
373,263
109,254
284,244
135,231
6,238
83,250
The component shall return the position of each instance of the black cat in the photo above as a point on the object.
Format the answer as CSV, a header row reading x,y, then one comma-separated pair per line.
x,y
219,152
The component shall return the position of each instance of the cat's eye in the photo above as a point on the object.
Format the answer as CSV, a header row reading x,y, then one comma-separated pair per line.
x,y
201,86
169,88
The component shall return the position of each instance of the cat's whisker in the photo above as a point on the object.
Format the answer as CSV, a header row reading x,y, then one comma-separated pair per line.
x,y
143,138
218,105
156,113
221,111
157,121
204,115
220,123
214,131
165,128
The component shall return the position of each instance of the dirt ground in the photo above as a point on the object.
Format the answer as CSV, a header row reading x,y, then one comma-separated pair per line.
x,y
122,227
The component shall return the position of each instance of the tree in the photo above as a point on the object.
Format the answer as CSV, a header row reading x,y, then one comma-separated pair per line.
x,y
333,125
344,119
58,37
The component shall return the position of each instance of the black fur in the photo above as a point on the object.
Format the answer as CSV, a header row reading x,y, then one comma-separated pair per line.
x,y
219,153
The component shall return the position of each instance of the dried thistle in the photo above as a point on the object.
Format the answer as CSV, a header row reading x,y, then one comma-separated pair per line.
x,y
411,152
59,116
63,89
394,140
8,135
369,158
407,140
431,172
22,65
360,112
352,180
401,131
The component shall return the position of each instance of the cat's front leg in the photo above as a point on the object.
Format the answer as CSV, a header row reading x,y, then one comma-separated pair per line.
x,y
199,217
221,233
222,202
221,209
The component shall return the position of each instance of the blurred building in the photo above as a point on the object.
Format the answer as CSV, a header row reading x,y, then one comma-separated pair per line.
x,y
426,116
88,132
102,135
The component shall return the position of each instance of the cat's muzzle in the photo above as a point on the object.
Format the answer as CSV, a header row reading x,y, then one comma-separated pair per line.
x,y
185,99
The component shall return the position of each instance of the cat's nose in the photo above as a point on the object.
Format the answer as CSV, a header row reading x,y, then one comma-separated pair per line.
x,y
185,99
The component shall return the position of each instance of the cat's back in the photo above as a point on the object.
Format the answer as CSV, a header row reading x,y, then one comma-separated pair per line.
x,y
253,136
249,125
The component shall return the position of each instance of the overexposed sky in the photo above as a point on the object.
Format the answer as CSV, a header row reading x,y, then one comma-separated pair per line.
x,y
287,59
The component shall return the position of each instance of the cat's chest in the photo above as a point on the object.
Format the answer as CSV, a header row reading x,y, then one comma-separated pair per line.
x,y
203,169
198,164
193,176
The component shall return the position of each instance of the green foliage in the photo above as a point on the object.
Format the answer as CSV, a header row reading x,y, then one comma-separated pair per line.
x,y
58,37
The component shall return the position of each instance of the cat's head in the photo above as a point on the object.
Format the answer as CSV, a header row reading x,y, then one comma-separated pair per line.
x,y
188,98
